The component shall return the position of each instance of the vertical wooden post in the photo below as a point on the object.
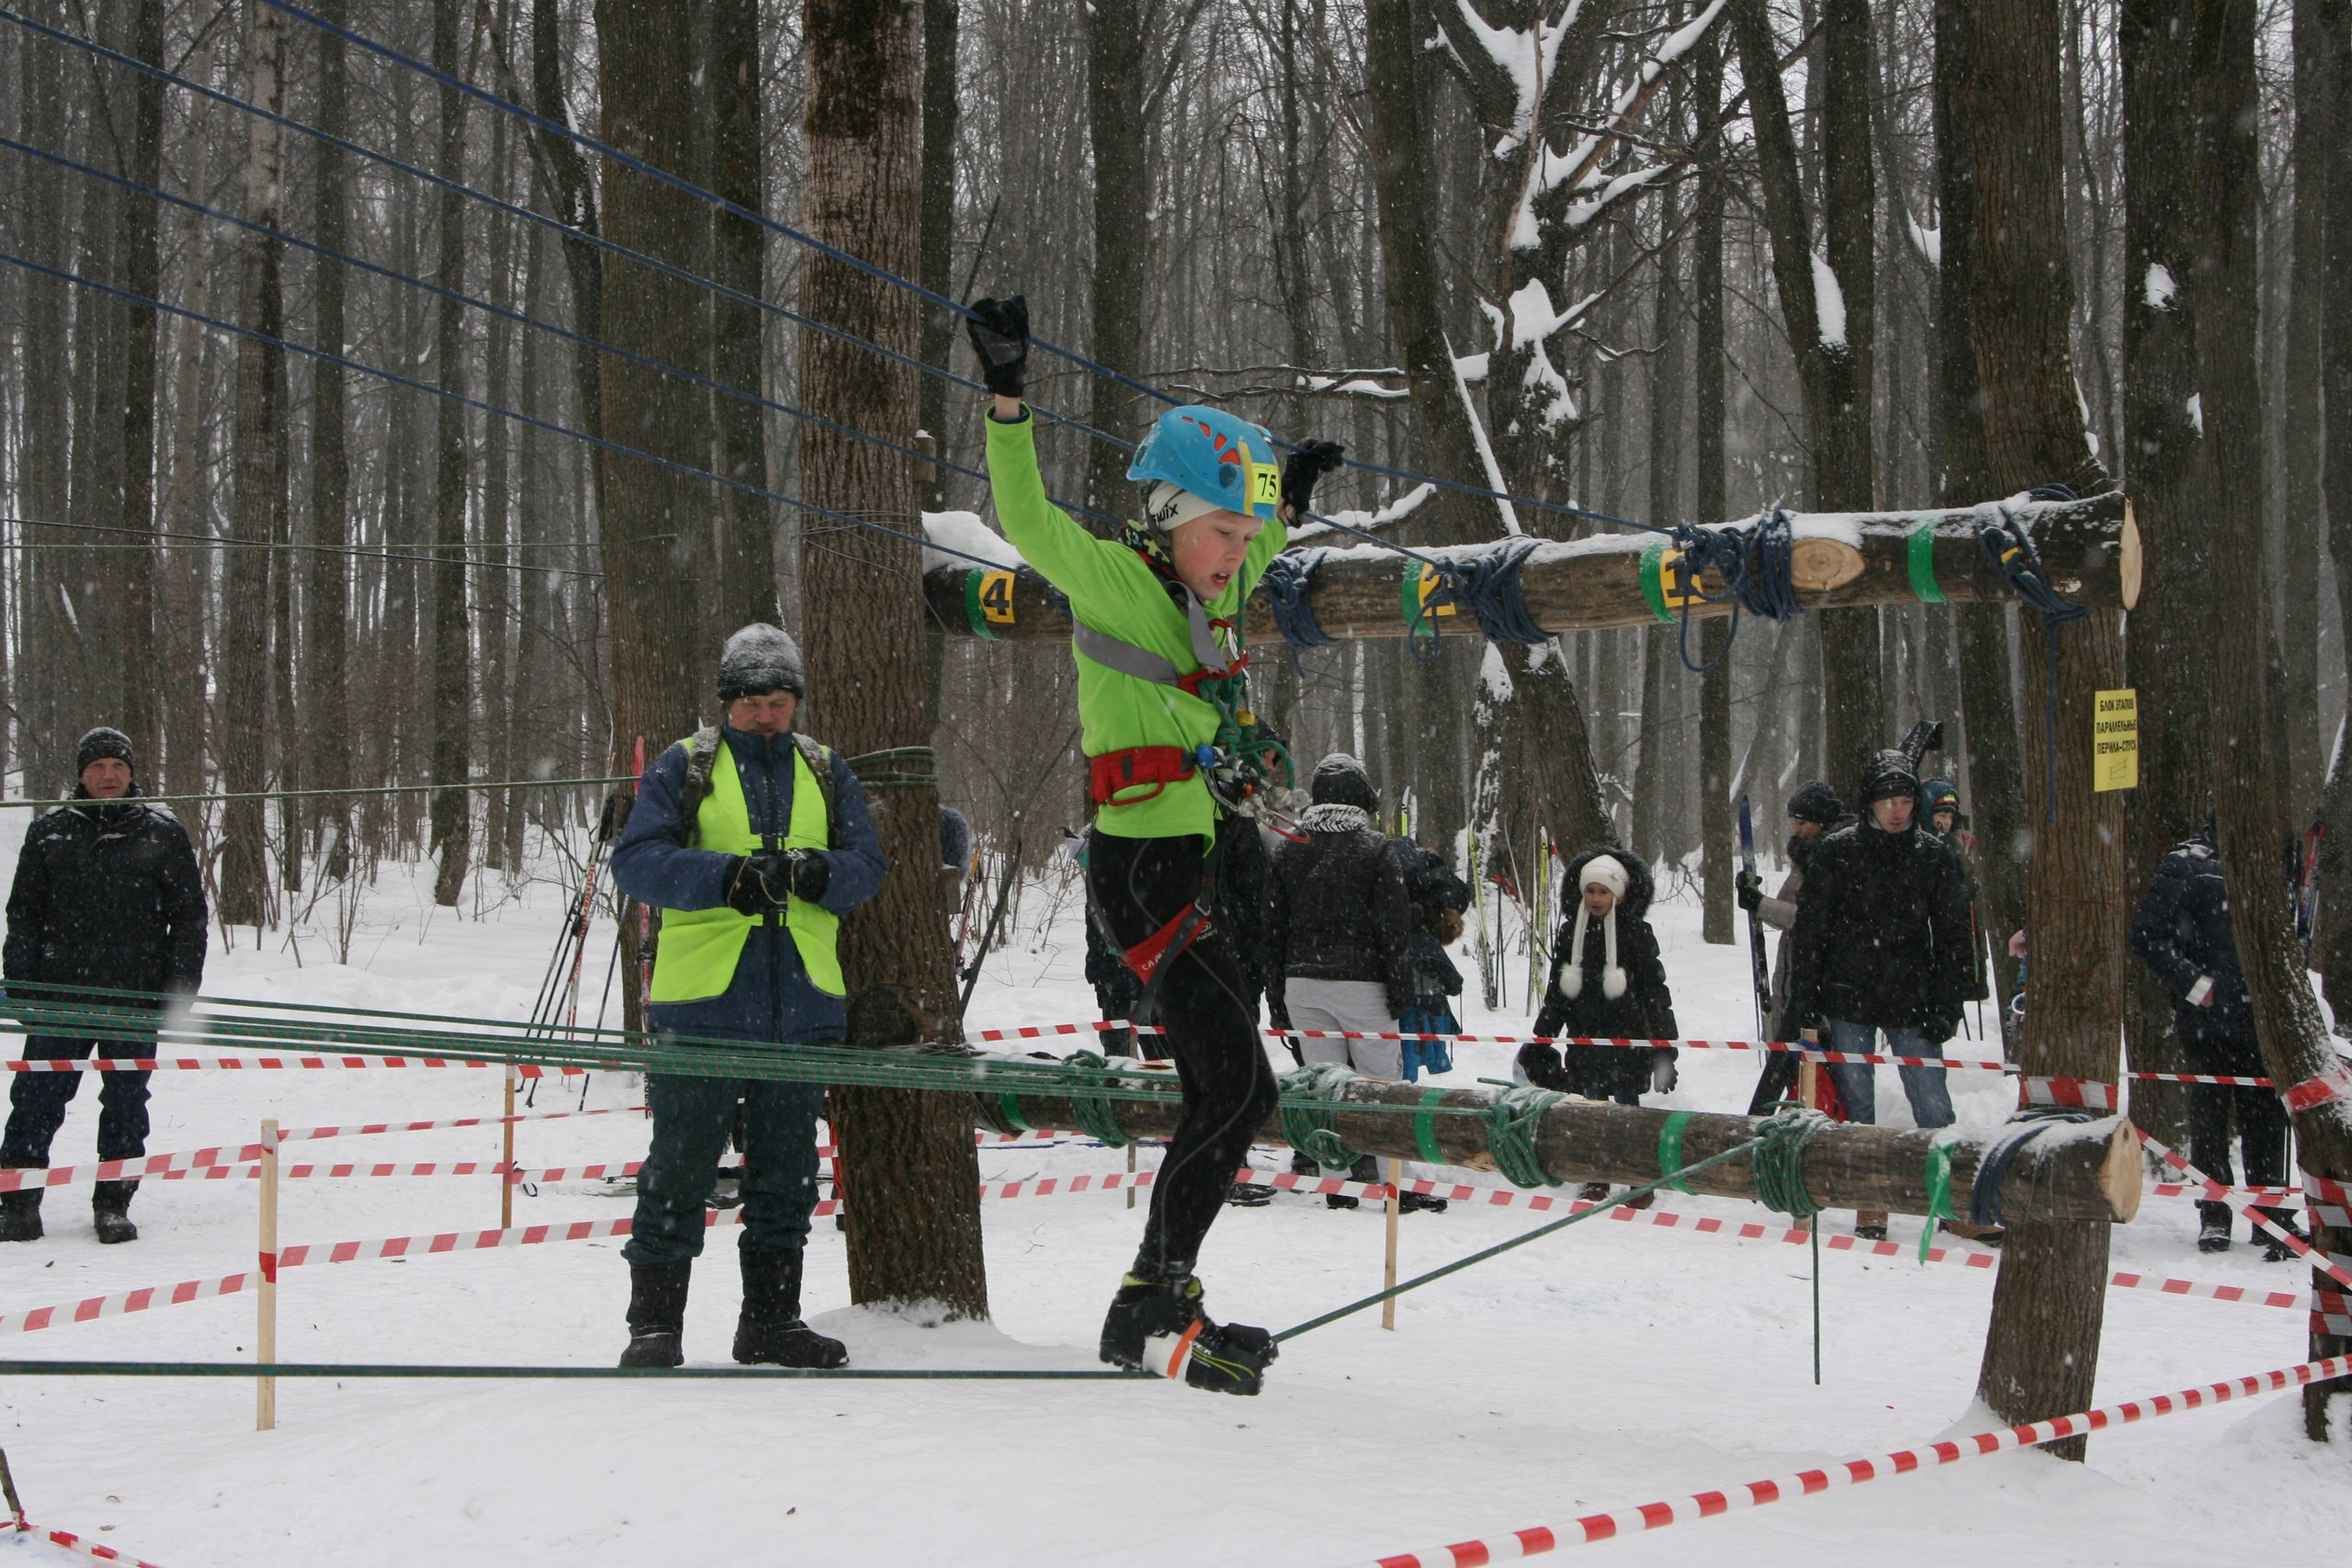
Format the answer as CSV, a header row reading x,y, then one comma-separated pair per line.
x,y
506,1165
1131,1176
265,1294
1388,1273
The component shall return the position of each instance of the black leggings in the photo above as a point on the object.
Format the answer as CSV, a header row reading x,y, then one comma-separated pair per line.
x,y
1139,884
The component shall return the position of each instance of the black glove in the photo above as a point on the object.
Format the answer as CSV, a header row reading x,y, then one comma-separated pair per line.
x,y
1303,468
1749,891
810,874
1000,334
1937,1028
756,885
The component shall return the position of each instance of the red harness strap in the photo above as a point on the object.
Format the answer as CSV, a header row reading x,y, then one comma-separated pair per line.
x,y
1166,944
1114,770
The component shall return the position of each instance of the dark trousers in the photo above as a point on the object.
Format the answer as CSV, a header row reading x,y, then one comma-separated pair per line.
x,y
693,1118
1138,885
37,1104
2262,1120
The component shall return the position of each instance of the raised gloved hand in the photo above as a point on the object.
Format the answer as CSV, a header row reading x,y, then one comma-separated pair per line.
x,y
758,884
1000,333
1748,891
1302,469
810,874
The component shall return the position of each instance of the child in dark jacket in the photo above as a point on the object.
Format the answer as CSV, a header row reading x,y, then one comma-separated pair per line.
x,y
1609,982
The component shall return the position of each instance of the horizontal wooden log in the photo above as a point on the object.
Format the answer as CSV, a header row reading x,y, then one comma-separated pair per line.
x,y
2090,1171
2090,548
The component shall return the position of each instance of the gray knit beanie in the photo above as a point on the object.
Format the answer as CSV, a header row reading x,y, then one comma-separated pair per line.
x,y
759,660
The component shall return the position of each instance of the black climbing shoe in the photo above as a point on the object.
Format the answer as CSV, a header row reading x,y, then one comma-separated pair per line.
x,y
657,1315
1157,1327
1247,1195
20,1217
770,1332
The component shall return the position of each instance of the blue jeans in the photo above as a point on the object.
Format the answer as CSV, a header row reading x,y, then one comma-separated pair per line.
x,y
692,1118
1925,1087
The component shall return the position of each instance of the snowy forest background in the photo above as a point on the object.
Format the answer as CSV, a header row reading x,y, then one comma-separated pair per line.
x,y
278,573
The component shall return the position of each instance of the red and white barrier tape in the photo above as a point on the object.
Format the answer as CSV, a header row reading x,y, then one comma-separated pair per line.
x,y
72,1542
2203,1078
1594,1528
295,1135
2280,1196
2334,1084
2083,1094
274,1064
2248,1207
34,1177
2330,1200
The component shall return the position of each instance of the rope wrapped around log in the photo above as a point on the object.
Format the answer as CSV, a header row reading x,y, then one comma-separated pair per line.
x,y
2090,1172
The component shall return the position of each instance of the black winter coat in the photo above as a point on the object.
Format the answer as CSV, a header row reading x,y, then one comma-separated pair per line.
x,y
107,895
1338,909
2182,933
1882,932
1434,888
1646,1011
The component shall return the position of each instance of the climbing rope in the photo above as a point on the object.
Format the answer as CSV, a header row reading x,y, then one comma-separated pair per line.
x,y
1993,1166
1290,580
1754,565
2011,550
1311,1096
1512,1123
1488,585
1780,1185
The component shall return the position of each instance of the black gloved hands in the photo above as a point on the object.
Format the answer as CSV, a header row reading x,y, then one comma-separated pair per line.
x,y
757,883
1938,1028
1748,891
811,873
1000,333
1302,469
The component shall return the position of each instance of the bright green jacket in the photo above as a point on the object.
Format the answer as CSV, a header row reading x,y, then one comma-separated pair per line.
x,y
1112,589
699,948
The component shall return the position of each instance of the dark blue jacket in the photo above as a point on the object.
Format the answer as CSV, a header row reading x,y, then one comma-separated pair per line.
x,y
2182,933
770,997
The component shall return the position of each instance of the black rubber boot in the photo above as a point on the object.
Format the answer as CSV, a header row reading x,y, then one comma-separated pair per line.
x,y
657,1315
770,1332
110,1212
2213,1228
20,1217
1157,1327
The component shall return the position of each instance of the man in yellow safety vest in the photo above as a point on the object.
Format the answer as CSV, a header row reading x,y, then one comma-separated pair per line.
x,y
753,840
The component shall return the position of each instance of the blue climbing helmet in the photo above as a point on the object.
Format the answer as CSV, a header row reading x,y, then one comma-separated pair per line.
x,y
1225,461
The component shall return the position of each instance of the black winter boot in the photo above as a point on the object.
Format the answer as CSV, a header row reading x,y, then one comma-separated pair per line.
x,y
20,1215
1157,1327
2273,1249
111,1211
657,1315
770,1332
2212,1227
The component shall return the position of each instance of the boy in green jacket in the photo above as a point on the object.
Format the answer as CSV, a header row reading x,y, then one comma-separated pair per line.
x,y
1172,758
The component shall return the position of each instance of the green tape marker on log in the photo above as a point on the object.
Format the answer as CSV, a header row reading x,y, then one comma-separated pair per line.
x,y
1425,1130
1921,550
1010,1103
1654,580
1670,1148
1939,1194
973,611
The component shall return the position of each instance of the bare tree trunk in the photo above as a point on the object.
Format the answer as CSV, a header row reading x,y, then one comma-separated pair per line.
x,y
1709,499
745,591
181,622
452,653
2299,584
935,244
496,581
260,465
1118,63
2336,369
2042,1346
914,1232
46,739
143,273
327,711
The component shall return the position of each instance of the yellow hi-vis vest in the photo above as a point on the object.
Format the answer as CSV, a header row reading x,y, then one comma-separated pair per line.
x,y
700,948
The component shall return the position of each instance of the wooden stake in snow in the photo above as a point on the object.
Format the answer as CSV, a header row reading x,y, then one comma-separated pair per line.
x,y
1388,1274
265,1294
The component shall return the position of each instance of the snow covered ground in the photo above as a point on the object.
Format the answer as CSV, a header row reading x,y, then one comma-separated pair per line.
x,y
1609,1366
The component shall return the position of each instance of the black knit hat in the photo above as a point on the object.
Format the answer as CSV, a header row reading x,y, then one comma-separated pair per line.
x,y
759,660
1816,802
1341,780
1890,773
100,743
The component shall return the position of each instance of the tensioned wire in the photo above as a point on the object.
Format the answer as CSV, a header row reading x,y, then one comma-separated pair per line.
x,y
164,539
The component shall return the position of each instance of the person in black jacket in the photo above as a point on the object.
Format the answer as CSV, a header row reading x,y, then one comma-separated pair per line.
x,y
1337,937
1608,981
1439,897
1881,944
107,897
2181,932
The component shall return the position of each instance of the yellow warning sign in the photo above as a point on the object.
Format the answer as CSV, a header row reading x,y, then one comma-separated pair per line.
x,y
2115,740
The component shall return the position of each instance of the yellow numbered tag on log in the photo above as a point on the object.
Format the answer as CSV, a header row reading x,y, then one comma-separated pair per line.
x,y
2115,740
996,596
1429,585
1673,589
1265,485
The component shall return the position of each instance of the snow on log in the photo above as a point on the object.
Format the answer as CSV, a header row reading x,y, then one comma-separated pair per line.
x,y
2090,548
2087,1171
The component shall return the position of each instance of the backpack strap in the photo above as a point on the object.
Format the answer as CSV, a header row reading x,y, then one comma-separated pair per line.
x,y
702,756
820,758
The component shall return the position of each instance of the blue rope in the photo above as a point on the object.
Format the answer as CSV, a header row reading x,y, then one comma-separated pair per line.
x,y
1290,580
1753,563
323,356
2010,548
1992,1164
1488,585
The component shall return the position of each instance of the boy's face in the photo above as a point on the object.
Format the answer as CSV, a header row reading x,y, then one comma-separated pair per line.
x,y
1894,813
1599,901
1946,819
1208,550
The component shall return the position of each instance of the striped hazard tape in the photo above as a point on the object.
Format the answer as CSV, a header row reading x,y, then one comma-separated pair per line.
x,y
1594,1528
84,1545
274,1064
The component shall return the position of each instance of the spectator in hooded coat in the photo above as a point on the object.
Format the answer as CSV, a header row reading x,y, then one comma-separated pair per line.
x,y
1608,981
1814,810
2181,932
1439,897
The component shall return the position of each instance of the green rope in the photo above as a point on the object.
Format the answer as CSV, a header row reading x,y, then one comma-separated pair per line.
x,y
1310,1120
1779,1184
1002,1113
1669,1146
1939,1192
1090,1107
386,1369
1512,1122
1425,1130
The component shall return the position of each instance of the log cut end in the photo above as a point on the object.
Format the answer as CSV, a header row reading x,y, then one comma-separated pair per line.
x,y
2121,1173
1817,564
2129,545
